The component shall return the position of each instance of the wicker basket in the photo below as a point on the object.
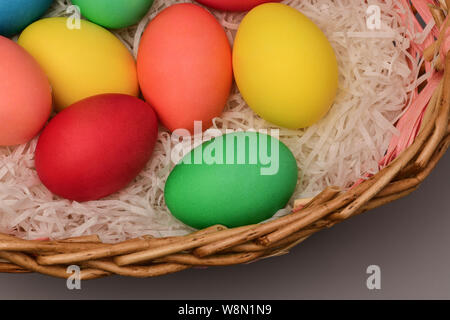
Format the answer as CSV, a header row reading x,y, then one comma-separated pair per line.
x,y
219,246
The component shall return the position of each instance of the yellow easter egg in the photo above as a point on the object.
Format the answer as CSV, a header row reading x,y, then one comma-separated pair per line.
x,y
284,66
80,61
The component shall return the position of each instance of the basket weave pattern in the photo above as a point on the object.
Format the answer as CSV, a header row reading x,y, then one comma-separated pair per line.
x,y
218,245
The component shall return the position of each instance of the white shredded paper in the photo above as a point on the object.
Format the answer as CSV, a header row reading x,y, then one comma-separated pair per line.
x,y
375,85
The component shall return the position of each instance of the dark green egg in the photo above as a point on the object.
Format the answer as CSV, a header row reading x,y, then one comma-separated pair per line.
x,y
234,180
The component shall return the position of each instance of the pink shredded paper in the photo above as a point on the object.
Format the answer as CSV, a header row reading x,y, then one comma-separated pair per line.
x,y
409,124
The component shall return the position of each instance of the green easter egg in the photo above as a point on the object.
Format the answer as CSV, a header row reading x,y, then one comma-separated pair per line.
x,y
234,180
114,14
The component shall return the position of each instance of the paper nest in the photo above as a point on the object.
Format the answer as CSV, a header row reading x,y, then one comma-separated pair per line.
x,y
375,86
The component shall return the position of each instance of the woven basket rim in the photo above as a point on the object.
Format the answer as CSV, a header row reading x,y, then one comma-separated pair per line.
x,y
218,245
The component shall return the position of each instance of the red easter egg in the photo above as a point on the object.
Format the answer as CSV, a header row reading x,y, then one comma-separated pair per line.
x,y
234,5
185,67
96,146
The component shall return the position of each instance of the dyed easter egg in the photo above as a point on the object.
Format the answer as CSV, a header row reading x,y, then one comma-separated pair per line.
x,y
234,180
80,62
25,95
289,80
114,14
234,5
184,66
15,15
96,146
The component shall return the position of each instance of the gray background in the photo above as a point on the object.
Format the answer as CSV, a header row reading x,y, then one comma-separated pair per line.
x,y
408,239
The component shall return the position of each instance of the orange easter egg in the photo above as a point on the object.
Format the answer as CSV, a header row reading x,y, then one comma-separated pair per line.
x,y
185,66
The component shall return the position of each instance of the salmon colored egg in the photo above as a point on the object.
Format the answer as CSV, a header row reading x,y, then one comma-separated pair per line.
x,y
234,5
25,95
80,60
96,147
185,66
